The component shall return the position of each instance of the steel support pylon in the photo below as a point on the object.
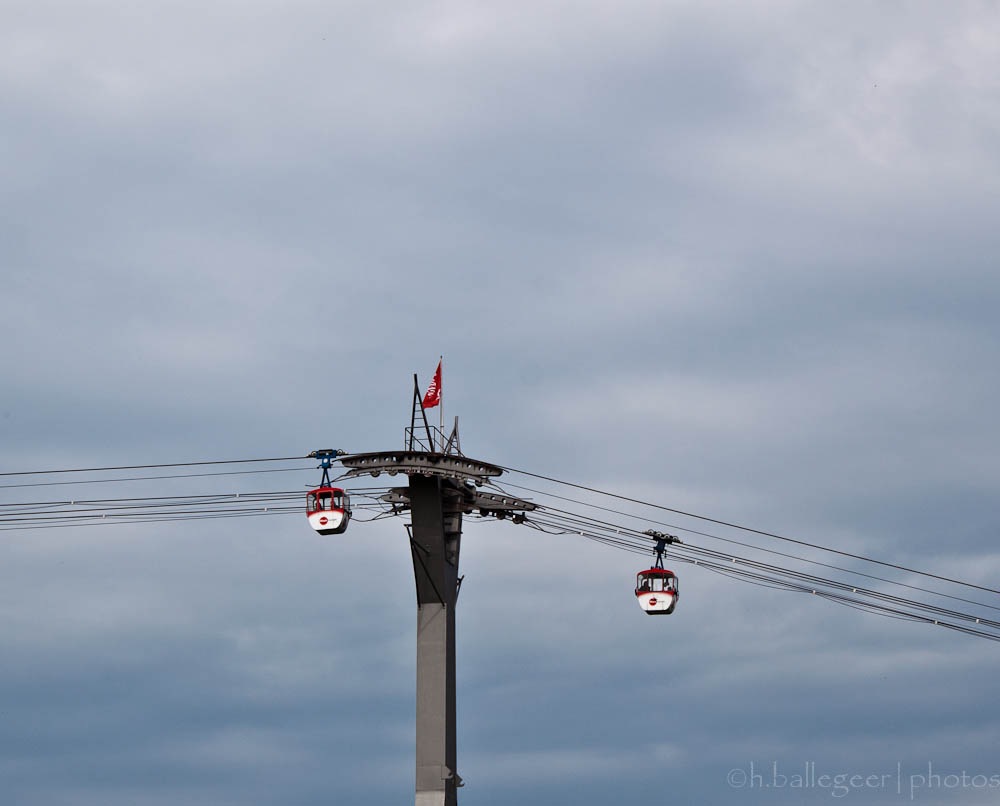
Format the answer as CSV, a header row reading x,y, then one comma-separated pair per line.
x,y
435,541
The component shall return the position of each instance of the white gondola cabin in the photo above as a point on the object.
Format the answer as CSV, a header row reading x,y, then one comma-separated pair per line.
x,y
328,510
656,590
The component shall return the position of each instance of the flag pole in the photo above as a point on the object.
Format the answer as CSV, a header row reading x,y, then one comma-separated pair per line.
x,y
441,407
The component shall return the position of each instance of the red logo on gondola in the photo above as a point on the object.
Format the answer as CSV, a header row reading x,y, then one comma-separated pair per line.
x,y
652,601
323,521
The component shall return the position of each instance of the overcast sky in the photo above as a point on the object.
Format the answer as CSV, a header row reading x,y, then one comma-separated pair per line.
x,y
738,259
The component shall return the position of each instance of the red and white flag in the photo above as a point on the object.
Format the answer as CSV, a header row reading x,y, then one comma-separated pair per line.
x,y
433,396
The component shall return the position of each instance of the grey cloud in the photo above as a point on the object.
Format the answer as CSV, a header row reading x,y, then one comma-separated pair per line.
x,y
737,260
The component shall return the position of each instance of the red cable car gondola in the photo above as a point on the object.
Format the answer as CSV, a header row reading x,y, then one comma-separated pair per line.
x,y
328,508
656,588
